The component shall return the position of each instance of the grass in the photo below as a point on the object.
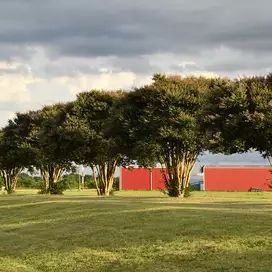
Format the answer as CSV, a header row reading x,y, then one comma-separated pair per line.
x,y
135,231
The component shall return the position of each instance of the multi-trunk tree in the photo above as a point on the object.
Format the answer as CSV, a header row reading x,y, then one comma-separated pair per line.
x,y
162,124
54,142
100,146
50,142
15,154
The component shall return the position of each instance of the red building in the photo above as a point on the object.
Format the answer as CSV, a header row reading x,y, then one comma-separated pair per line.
x,y
235,178
215,178
141,179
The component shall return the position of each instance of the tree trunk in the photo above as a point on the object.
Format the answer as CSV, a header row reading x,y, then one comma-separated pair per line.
x,y
269,158
45,178
95,180
105,177
178,172
51,175
10,177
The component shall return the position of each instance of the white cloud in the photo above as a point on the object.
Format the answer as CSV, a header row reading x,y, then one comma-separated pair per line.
x,y
26,92
5,116
14,88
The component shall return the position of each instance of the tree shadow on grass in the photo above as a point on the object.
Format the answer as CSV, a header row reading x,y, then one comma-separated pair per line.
x,y
200,255
67,222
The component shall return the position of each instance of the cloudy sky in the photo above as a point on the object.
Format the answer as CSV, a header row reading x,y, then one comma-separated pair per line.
x,y
51,50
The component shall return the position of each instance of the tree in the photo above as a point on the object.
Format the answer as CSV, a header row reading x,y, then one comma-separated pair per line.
x,y
100,146
238,115
259,114
48,134
27,181
225,116
54,142
15,154
162,126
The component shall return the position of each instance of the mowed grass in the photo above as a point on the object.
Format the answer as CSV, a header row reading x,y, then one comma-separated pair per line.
x,y
136,231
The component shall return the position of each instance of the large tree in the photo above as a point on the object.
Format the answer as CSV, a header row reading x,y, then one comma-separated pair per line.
x,y
259,114
161,121
100,147
15,154
50,141
54,142
237,115
225,116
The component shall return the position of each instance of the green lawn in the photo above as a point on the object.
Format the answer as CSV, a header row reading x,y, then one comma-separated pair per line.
x,y
136,231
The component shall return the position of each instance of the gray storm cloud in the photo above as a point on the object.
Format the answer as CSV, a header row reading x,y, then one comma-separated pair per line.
x,y
130,28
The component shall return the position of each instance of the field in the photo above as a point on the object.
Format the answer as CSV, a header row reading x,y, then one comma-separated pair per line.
x,y
136,231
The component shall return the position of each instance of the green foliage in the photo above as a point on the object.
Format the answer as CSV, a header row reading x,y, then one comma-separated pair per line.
x,y
163,125
27,181
165,113
49,137
116,184
51,142
95,111
259,90
89,182
15,154
72,181
170,121
238,115
57,188
100,146
225,116
43,190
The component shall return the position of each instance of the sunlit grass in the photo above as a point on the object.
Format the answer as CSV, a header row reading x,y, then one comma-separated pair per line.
x,y
135,231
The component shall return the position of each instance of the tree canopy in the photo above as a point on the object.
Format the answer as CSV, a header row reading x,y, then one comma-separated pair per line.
x,y
169,121
100,147
15,153
238,115
163,126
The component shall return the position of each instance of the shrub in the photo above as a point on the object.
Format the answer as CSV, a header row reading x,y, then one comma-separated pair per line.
x,y
27,181
116,184
56,189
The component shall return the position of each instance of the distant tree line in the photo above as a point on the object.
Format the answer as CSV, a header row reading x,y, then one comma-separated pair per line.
x,y
170,121
70,181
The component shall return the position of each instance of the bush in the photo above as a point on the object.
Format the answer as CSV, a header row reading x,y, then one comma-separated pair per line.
x,y
71,181
116,184
57,188
27,181
89,182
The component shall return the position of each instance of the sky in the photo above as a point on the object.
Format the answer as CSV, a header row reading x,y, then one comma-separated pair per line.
x,y
51,50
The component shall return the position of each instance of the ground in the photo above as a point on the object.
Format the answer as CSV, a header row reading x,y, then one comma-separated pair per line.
x,y
136,231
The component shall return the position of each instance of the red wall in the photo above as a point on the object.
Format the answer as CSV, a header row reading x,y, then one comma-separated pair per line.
x,y
157,179
140,179
236,179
